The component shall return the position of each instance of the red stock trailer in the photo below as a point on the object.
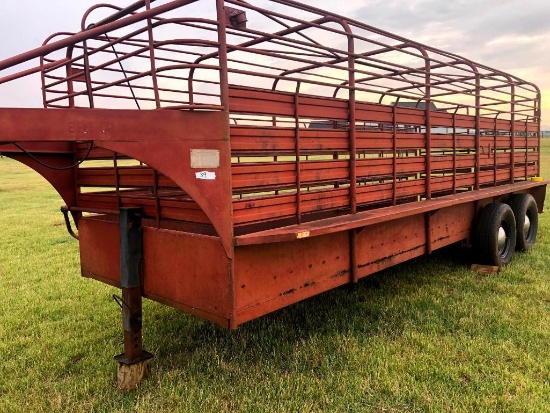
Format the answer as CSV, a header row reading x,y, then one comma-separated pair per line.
x,y
230,158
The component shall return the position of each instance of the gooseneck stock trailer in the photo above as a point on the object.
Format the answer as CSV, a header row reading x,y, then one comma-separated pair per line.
x,y
230,158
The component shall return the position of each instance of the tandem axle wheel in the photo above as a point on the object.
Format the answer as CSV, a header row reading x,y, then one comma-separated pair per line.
x,y
503,228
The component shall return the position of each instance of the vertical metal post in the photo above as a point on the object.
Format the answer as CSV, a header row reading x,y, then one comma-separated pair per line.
x,y
394,149
352,132
537,119
298,154
152,56
478,143
428,122
132,364
224,101
428,148
477,168
454,152
352,149
526,148
117,179
222,40
513,134
70,84
157,195
88,75
495,144
43,78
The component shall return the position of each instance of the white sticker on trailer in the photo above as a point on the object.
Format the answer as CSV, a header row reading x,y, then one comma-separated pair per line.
x,y
206,175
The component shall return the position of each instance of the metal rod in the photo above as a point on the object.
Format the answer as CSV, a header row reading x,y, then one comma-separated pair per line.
x,y
512,134
124,12
90,34
537,117
428,122
495,143
394,151
152,55
222,50
298,155
454,153
478,133
526,149
65,212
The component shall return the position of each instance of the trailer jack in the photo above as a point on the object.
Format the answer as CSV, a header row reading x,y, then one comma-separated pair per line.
x,y
132,364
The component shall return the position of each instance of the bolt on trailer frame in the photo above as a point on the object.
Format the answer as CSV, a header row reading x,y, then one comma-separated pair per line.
x,y
230,158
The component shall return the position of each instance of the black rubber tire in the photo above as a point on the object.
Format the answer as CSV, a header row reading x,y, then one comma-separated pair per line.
x,y
490,220
524,205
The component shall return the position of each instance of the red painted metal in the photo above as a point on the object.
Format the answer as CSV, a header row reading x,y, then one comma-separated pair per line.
x,y
332,149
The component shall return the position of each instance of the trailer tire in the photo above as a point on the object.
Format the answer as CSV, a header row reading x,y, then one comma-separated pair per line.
x,y
526,213
496,234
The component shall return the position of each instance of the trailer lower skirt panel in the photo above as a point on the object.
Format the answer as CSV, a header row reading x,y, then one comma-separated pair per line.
x,y
193,273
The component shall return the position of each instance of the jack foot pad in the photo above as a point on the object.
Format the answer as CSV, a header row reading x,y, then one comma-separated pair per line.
x,y
130,376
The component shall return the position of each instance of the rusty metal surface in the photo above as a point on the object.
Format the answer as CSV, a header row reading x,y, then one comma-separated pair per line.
x,y
410,138
332,148
100,249
188,268
161,139
187,271
269,277
390,166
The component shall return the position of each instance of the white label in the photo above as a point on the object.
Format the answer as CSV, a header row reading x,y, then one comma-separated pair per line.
x,y
206,175
205,158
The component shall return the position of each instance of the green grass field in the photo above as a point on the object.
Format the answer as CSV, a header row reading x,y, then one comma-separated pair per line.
x,y
426,336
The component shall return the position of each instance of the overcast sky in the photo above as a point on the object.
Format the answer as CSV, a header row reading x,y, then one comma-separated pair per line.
x,y
511,35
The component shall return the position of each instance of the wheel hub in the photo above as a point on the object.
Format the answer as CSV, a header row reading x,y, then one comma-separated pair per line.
x,y
501,239
526,226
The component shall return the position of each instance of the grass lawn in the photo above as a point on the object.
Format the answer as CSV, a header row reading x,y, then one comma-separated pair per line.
x,y
425,336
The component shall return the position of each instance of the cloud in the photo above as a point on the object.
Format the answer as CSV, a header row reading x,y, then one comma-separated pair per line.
x,y
468,26
509,35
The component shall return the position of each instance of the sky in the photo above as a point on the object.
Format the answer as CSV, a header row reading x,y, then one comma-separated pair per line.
x,y
511,35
